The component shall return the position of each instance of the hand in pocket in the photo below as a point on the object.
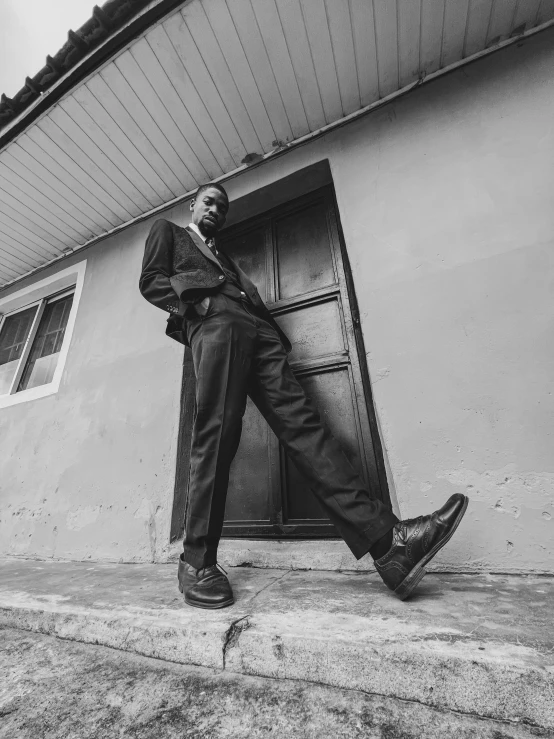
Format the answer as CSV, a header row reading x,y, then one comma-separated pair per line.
x,y
202,306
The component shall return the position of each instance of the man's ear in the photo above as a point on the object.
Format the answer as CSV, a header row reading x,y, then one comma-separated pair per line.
x,y
192,202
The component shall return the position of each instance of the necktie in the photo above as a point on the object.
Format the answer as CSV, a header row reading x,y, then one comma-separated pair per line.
x,y
210,243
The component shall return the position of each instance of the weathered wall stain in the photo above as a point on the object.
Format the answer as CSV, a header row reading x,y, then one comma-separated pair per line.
x,y
81,517
523,502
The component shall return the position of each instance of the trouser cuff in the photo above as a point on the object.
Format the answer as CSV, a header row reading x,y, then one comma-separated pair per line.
x,y
387,521
198,557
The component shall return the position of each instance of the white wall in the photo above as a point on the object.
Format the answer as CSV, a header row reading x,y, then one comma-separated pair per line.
x,y
88,472
447,206
445,199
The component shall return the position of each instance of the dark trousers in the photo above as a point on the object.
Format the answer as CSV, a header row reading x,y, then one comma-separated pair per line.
x,y
235,354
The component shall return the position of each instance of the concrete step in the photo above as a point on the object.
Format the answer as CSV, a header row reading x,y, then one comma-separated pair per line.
x,y
57,689
477,645
282,554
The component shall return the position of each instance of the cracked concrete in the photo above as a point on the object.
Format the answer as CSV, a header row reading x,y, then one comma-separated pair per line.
x,y
55,689
241,624
476,645
233,634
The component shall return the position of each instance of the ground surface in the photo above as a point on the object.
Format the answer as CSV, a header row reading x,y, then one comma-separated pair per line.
x,y
55,689
482,646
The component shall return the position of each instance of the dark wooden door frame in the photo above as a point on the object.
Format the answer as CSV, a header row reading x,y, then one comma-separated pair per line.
x,y
364,372
188,409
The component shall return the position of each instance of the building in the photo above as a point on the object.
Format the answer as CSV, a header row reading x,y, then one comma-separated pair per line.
x,y
393,202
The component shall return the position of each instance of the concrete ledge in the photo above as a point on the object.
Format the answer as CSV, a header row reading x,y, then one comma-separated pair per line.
x,y
477,645
329,555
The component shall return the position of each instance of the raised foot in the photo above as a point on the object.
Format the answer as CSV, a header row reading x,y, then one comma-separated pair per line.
x,y
415,542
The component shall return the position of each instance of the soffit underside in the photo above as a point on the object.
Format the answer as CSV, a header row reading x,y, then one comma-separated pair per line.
x,y
213,87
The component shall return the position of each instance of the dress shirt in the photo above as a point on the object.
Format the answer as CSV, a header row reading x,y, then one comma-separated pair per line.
x,y
197,231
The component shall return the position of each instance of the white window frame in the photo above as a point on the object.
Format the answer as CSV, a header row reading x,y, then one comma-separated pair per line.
x,y
56,286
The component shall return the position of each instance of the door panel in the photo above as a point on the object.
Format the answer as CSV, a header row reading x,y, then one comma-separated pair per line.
x,y
304,253
314,330
250,479
249,253
332,393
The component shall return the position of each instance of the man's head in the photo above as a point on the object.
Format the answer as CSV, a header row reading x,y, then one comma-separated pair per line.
x,y
209,209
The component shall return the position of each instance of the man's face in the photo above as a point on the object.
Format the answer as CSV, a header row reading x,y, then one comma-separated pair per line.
x,y
209,211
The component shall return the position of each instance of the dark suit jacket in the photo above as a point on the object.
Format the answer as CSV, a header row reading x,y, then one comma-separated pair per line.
x,y
178,270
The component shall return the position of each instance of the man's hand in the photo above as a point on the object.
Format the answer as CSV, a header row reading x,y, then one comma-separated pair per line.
x,y
202,306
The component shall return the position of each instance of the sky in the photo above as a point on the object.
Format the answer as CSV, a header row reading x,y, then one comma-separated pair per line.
x,y
31,29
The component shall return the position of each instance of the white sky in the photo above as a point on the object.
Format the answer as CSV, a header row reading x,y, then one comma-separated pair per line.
x,y
31,29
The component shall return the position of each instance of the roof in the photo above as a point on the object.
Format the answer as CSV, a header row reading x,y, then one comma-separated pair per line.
x,y
105,22
190,92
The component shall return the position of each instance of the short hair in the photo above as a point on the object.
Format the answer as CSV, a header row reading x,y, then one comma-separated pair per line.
x,y
207,186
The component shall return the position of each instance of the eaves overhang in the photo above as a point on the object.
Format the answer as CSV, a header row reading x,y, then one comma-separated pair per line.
x,y
109,28
189,92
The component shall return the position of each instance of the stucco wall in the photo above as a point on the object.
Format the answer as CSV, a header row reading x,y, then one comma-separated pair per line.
x,y
445,199
88,472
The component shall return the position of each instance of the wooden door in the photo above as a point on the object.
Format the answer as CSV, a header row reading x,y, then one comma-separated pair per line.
x,y
293,254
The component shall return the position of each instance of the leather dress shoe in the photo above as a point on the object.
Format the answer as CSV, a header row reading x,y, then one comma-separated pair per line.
x,y
415,542
207,587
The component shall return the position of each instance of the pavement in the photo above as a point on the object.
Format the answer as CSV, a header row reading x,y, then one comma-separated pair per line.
x,y
56,689
474,647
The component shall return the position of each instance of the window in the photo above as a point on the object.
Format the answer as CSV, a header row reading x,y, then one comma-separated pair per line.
x,y
36,326
30,343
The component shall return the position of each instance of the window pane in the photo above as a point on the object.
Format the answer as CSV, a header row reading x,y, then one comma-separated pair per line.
x,y
45,351
15,331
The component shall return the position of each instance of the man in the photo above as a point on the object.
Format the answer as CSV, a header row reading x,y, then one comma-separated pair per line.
x,y
239,350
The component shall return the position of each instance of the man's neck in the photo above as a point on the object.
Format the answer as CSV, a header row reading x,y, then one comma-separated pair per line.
x,y
199,232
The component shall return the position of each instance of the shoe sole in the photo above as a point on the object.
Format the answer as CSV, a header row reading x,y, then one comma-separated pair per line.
x,y
209,607
195,604
412,580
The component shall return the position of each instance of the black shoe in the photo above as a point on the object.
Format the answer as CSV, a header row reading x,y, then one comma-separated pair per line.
x,y
415,542
204,588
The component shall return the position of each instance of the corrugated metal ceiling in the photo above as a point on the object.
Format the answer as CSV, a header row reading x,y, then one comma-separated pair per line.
x,y
216,84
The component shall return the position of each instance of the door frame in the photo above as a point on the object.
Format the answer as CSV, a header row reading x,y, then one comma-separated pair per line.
x,y
364,395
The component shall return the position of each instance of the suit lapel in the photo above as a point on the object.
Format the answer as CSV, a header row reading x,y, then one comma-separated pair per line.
x,y
247,284
206,251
